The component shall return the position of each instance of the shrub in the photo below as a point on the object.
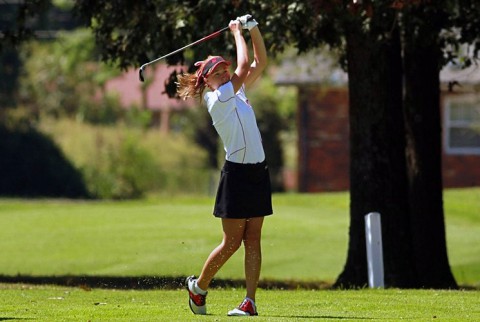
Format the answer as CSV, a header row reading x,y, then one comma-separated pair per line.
x,y
126,171
32,165
124,162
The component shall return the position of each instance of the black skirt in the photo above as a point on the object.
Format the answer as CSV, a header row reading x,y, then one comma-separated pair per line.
x,y
244,191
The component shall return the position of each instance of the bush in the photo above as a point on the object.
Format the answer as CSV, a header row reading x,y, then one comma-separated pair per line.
x,y
123,162
106,111
127,171
32,165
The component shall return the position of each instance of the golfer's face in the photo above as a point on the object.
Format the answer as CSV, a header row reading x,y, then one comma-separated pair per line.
x,y
219,76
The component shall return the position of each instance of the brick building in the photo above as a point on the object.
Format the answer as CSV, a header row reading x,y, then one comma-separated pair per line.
x,y
149,95
323,130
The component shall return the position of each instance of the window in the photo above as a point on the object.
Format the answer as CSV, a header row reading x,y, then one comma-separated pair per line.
x,y
462,124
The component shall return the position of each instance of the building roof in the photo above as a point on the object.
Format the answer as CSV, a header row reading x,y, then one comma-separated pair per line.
x,y
469,75
129,88
310,68
317,68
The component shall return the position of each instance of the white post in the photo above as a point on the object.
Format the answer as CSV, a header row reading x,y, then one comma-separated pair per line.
x,y
373,236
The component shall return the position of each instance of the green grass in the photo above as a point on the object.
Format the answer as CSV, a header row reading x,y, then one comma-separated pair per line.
x,y
462,219
167,236
47,303
306,239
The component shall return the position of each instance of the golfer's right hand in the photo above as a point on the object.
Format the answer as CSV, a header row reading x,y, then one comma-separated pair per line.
x,y
247,21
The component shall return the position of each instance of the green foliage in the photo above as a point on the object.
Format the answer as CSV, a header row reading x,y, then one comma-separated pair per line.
x,y
138,117
265,95
66,81
124,162
132,33
126,172
106,110
16,21
63,4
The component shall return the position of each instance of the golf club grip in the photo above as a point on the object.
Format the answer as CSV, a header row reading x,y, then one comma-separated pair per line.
x,y
213,35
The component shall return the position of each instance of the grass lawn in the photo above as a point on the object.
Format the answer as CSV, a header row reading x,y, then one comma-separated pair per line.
x,y
306,240
48,303
167,237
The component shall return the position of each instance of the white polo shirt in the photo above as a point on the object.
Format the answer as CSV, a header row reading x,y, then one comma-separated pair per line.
x,y
235,122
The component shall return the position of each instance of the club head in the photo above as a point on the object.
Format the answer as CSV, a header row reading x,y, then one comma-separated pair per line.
x,y
140,74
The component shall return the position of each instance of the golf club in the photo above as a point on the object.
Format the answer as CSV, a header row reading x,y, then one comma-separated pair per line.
x,y
213,35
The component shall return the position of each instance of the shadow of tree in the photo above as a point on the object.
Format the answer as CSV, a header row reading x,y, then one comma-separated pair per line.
x,y
323,317
164,282
150,282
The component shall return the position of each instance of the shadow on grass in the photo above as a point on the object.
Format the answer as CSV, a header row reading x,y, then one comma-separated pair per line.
x,y
330,317
151,282
164,282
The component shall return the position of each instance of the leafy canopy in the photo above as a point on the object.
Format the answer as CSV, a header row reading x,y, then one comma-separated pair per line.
x,y
134,32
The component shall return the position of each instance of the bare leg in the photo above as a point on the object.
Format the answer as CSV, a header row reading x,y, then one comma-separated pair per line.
x,y
253,254
233,232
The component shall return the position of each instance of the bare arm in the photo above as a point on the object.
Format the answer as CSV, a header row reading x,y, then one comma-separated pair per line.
x,y
260,57
242,70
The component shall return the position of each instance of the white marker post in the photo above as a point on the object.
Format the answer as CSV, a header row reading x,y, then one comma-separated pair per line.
x,y
373,236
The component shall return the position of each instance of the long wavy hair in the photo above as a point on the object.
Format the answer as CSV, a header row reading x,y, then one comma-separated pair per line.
x,y
187,86
192,85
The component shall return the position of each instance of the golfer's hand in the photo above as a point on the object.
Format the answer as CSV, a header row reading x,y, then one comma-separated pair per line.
x,y
235,26
247,21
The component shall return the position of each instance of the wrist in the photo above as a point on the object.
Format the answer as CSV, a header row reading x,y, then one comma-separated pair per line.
x,y
237,33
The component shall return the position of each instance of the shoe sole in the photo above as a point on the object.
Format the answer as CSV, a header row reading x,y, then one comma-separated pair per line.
x,y
237,313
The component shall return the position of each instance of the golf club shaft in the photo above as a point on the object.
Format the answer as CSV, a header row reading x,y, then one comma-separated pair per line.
x,y
213,35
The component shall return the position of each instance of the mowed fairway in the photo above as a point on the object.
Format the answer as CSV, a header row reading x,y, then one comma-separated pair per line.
x,y
41,303
305,241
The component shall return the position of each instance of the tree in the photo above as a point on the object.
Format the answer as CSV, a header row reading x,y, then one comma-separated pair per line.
x,y
422,59
378,180
372,36
13,32
70,79
419,258
134,32
21,21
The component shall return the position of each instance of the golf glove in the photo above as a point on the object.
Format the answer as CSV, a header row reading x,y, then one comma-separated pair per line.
x,y
247,22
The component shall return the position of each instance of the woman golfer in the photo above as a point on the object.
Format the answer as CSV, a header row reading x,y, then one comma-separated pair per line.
x,y
244,194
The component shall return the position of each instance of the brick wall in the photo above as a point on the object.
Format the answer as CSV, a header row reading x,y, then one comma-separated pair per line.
x,y
322,121
323,138
461,171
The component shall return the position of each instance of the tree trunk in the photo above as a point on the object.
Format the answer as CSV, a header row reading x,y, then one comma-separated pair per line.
x,y
424,151
400,180
378,181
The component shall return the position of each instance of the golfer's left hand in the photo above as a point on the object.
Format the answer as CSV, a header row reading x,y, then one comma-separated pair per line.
x,y
235,25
